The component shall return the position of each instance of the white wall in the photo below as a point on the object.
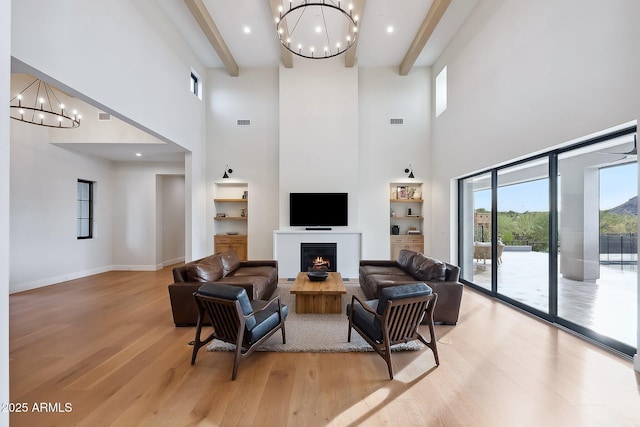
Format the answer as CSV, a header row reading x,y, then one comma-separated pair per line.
x,y
251,151
5,48
134,213
104,64
386,150
171,219
319,132
43,211
526,76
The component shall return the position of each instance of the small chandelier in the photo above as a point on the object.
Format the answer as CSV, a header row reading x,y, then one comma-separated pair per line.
x,y
317,29
38,104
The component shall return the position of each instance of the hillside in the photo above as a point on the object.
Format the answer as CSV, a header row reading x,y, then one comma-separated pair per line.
x,y
630,207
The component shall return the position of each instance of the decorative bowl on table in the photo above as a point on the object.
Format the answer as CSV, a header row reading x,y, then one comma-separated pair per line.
x,y
317,276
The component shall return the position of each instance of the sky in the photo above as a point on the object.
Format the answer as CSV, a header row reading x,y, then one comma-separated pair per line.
x,y
617,185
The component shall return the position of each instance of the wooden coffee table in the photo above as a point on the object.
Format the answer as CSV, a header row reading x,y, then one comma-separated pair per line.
x,y
318,297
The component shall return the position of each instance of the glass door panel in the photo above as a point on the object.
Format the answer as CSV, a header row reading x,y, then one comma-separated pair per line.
x,y
476,239
597,269
523,233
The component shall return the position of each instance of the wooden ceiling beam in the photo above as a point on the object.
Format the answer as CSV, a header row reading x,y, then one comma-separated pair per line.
x,y
287,56
210,30
350,55
437,9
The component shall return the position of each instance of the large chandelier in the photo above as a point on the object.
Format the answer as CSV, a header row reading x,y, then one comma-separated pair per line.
x,y
316,29
38,104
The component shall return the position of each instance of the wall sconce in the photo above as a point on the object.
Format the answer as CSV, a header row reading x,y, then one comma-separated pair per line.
x,y
226,169
409,170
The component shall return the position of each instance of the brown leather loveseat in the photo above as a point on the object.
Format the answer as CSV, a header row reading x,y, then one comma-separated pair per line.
x,y
412,267
259,278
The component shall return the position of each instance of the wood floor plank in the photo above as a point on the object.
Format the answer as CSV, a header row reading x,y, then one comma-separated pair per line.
x,y
106,344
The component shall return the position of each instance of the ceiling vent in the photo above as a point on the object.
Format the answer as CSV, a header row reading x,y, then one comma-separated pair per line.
x,y
104,117
243,122
396,122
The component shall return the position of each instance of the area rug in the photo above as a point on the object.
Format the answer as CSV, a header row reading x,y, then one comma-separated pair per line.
x,y
316,333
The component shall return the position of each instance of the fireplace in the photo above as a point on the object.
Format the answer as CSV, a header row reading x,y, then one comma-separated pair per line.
x,y
318,256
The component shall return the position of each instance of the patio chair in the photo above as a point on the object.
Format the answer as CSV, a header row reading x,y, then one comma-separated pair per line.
x,y
394,318
236,320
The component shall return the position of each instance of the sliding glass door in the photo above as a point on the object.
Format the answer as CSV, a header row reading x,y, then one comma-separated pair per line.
x,y
523,233
556,235
597,275
476,241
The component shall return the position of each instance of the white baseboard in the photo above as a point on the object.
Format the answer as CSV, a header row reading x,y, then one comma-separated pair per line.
x,y
172,261
21,287
155,267
636,362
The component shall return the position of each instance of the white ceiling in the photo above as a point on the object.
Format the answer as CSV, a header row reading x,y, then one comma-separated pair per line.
x,y
376,47
260,47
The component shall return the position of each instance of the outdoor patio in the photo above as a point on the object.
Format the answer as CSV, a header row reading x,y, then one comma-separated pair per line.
x,y
607,307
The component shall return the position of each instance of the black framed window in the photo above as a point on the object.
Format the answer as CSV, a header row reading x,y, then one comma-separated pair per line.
x,y
85,209
195,85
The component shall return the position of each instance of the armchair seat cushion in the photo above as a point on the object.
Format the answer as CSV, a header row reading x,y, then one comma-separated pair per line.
x,y
266,321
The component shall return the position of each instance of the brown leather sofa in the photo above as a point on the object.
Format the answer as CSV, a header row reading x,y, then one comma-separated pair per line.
x,y
412,267
259,278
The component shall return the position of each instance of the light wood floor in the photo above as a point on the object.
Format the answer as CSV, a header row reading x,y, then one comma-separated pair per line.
x,y
107,345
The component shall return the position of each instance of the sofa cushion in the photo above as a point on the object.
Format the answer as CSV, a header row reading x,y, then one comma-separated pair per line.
x,y
269,272
207,270
426,268
375,282
258,284
230,262
365,270
405,258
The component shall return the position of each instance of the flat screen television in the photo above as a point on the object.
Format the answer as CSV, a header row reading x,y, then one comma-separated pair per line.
x,y
318,209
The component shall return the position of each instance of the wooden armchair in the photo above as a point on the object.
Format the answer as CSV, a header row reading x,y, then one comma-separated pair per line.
x,y
394,318
236,320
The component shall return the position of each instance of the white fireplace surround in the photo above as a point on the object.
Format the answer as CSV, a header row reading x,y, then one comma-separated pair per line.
x,y
286,249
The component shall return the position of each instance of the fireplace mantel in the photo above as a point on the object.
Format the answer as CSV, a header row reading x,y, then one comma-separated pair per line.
x,y
286,249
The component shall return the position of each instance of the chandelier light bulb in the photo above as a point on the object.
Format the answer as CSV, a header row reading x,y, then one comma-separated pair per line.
x,y
277,20
338,45
318,29
280,31
50,110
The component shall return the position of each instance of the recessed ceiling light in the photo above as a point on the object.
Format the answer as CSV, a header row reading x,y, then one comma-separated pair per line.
x,y
389,29
246,29
138,154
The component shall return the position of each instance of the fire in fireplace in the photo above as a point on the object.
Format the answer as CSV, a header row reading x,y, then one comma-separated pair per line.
x,y
318,256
